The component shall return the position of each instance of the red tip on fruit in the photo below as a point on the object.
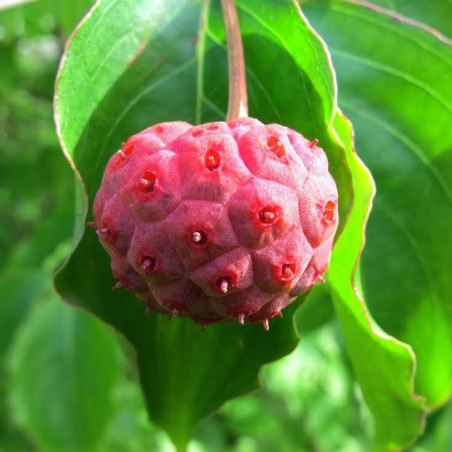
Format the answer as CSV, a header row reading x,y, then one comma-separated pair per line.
x,y
174,313
128,150
213,127
288,272
122,154
241,318
117,286
212,160
197,133
275,146
267,215
266,325
313,143
328,212
147,182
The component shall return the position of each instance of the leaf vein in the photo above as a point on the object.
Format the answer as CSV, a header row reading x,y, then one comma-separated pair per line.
x,y
148,89
416,150
388,27
214,107
112,51
423,263
299,69
400,74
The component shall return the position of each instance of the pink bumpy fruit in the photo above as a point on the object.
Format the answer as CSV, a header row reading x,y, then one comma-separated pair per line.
x,y
219,221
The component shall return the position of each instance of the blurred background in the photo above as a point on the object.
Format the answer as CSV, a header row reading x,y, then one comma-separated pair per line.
x,y
310,400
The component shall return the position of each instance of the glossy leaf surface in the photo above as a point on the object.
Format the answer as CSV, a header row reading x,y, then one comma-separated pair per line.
x,y
395,85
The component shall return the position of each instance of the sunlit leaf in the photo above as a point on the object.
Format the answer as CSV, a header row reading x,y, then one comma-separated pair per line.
x,y
395,84
385,368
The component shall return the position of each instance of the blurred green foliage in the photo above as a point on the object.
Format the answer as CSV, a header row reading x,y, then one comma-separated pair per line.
x,y
50,351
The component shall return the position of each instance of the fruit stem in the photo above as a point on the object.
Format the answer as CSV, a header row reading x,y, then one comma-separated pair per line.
x,y
238,101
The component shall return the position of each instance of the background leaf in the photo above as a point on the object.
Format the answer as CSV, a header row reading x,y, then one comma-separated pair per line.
x,y
437,15
36,192
305,394
17,292
405,265
64,365
41,17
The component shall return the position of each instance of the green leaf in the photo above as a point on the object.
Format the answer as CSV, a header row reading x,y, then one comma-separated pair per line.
x,y
394,80
33,18
318,309
145,69
11,3
17,293
130,430
439,435
437,14
311,403
384,367
64,364
67,13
